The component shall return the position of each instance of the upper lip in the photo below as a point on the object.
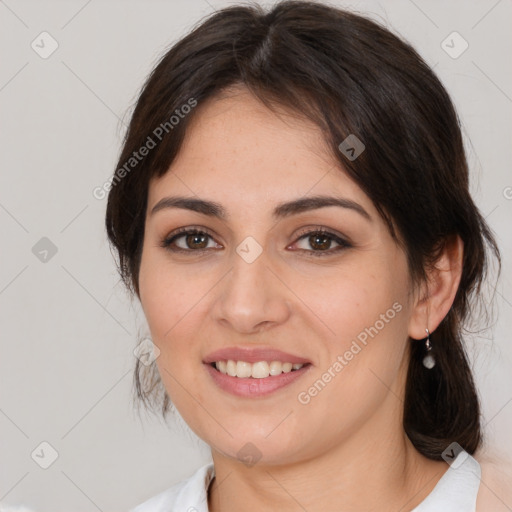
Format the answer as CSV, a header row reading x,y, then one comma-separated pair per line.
x,y
253,355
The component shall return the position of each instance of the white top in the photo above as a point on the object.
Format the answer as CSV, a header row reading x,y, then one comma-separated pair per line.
x,y
456,491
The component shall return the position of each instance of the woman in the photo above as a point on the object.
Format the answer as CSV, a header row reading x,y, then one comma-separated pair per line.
x,y
291,207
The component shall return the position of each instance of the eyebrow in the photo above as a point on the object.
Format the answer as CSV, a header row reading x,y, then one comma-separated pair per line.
x,y
282,210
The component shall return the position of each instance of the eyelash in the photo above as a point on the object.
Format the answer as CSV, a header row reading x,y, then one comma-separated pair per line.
x,y
342,244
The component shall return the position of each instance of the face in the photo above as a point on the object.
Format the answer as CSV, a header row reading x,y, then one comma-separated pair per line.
x,y
263,285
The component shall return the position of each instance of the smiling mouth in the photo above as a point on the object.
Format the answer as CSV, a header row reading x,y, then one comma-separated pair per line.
x,y
257,370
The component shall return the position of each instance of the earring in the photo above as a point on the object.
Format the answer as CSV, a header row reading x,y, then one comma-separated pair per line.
x,y
429,360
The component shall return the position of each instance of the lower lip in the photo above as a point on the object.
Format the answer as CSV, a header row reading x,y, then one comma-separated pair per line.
x,y
250,387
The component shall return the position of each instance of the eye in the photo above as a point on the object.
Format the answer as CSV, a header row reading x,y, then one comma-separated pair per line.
x,y
189,240
320,241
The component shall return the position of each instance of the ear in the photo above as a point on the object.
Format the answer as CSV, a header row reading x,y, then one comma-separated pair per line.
x,y
438,292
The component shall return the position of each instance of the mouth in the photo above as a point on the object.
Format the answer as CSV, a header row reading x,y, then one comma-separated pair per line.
x,y
254,372
257,370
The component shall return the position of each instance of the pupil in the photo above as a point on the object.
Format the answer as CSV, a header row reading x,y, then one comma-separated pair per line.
x,y
196,238
317,244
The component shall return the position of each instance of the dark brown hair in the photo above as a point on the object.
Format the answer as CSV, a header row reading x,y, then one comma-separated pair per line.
x,y
348,75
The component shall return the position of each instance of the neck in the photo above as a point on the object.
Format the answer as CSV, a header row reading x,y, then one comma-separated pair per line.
x,y
369,471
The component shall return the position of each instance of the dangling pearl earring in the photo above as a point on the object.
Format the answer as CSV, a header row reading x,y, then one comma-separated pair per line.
x,y
429,360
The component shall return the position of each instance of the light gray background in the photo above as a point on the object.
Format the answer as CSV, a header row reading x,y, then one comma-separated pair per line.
x,y
68,329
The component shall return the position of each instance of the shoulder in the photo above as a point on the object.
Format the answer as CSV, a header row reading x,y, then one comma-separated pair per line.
x,y
190,493
495,491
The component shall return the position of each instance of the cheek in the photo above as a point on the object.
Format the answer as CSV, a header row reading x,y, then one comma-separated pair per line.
x,y
167,294
171,300
351,301
362,360
365,317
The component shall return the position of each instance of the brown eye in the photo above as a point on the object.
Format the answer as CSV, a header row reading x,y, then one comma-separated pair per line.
x,y
189,240
196,241
320,243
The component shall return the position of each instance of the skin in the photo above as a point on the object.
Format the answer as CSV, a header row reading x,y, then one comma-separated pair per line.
x,y
346,449
495,492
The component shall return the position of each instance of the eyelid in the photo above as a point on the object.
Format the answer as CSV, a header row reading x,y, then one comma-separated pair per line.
x,y
320,229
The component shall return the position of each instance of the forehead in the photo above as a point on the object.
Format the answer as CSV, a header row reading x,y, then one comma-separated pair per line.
x,y
242,154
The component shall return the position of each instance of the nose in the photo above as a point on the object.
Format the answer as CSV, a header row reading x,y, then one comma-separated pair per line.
x,y
251,298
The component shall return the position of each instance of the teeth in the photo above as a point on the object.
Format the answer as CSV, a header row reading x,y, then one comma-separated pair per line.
x,y
243,369
230,368
276,368
259,370
287,367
